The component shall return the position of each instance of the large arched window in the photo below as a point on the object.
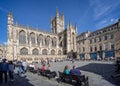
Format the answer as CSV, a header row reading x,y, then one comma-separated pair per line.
x,y
24,51
32,37
40,39
22,37
44,52
59,52
35,51
54,42
52,52
47,41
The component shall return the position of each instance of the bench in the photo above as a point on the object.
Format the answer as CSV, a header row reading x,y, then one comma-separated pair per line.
x,y
79,80
31,69
115,76
47,73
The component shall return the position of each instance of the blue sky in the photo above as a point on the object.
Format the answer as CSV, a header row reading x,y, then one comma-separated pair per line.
x,y
87,14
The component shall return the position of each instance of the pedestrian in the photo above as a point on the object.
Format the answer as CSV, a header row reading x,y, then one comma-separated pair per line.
x,y
19,68
5,70
25,65
11,70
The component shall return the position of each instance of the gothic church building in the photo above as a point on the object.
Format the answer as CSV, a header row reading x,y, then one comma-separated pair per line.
x,y
25,43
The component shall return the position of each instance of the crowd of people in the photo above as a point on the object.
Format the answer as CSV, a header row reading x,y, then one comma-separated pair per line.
x,y
7,69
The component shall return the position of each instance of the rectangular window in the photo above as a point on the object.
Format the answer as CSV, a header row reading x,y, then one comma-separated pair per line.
x,y
95,48
91,49
83,49
94,40
112,45
100,47
90,41
99,39
111,36
106,46
105,37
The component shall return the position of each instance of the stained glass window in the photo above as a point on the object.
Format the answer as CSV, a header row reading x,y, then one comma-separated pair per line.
x,y
22,37
24,51
35,51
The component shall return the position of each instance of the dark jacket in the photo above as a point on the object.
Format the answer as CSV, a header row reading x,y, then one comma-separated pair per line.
x,y
0,66
75,72
5,66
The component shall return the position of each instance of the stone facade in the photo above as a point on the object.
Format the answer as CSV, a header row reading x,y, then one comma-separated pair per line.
x,y
3,51
34,45
100,44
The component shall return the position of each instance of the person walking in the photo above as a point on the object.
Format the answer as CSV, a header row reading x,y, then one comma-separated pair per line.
x,y
19,68
11,71
25,65
5,69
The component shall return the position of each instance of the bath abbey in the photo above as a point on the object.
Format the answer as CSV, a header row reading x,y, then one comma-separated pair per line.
x,y
31,44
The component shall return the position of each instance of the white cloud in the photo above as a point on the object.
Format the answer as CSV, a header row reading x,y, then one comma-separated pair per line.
x,y
5,43
111,20
105,22
114,20
103,7
101,24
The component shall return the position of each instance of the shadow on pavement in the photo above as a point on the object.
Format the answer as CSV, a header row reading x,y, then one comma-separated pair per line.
x,y
105,70
18,81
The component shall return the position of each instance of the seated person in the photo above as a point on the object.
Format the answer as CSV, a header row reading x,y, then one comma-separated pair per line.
x,y
75,71
66,70
32,66
43,67
53,73
49,67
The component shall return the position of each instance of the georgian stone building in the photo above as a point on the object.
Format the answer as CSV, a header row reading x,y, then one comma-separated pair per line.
x,y
34,45
103,43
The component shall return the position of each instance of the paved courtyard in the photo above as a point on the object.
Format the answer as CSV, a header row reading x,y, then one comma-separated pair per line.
x,y
99,74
